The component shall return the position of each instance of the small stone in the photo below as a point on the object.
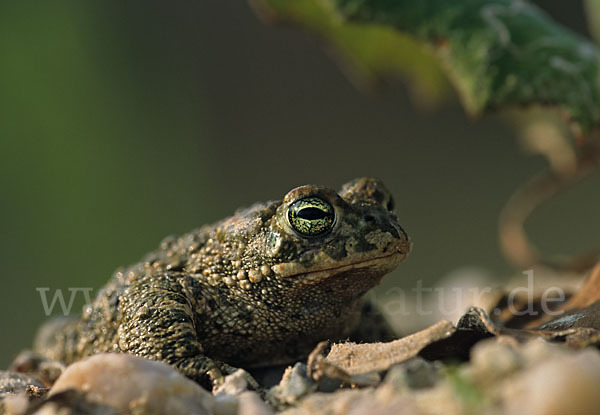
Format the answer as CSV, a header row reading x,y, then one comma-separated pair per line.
x,y
294,384
133,384
538,350
491,360
569,383
226,404
251,404
14,404
234,384
67,402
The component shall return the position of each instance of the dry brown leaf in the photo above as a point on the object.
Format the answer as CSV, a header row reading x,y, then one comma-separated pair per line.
x,y
362,358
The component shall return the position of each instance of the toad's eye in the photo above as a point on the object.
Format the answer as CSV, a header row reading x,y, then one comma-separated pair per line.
x,y
311,216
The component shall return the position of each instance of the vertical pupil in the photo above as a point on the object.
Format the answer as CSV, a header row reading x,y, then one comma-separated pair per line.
x,y
311,213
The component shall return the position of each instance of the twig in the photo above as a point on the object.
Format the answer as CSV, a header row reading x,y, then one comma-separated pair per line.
x,y
514,242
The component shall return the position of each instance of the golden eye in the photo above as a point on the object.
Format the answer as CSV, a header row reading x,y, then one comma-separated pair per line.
x,y
311,216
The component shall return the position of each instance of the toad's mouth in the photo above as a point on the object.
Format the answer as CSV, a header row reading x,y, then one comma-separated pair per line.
x,y
377,266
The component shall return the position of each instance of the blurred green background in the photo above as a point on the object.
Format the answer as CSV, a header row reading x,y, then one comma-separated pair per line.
x,y
124,121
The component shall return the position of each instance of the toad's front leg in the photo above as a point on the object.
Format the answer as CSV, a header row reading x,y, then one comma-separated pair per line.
x,y
159,319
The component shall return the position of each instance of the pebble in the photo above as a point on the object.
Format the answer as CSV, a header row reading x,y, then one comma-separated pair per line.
x,y
294,385
234,384
133,384
492,360
569,383
251,404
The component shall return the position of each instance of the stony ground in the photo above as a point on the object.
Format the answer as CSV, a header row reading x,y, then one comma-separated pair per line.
x,y
480,365
502,375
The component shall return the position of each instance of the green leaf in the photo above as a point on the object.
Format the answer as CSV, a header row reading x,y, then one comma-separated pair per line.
x,y
592,13
496,53
367,52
